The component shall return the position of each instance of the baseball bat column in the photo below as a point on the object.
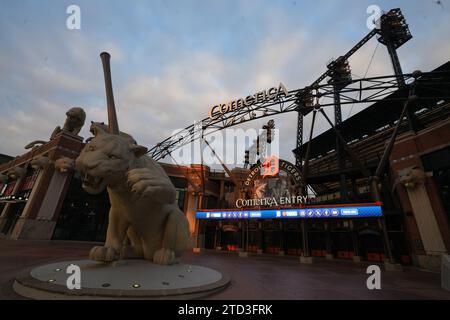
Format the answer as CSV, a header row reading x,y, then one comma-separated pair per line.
x,y
113,124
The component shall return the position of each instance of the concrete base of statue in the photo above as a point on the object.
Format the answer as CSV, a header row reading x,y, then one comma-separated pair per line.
x,y
125,279
243,254
306,260
389,266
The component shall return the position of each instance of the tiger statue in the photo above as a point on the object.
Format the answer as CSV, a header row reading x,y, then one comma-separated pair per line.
x,y
96,127
144,219
40,162
16,173
64,165
75,118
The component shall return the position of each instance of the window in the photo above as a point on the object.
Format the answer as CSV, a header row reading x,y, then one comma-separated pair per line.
x,y
180,195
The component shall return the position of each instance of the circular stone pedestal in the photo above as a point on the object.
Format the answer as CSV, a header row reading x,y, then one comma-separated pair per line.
x,y
126,279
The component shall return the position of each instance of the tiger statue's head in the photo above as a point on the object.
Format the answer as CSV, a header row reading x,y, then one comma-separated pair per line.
x,y
105,160
101,127
64,164
40,162
411,177
75,120
16,173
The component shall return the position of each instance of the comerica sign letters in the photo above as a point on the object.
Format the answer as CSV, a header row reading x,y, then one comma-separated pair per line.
x,y
272,201
271,94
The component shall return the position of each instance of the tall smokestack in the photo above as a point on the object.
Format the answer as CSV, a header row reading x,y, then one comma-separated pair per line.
x,y
112,116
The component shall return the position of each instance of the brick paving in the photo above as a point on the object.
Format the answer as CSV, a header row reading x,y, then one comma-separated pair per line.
x,y
255,277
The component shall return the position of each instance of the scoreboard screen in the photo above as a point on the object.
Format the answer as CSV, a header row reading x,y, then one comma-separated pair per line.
x,y
295,213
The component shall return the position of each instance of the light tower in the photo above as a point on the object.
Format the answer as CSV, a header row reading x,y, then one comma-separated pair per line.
x,y
340,77
393,33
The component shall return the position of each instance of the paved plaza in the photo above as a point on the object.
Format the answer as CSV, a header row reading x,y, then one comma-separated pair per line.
x,y
254,277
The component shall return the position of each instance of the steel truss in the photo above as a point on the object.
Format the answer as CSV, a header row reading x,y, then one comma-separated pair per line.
x,y
368,90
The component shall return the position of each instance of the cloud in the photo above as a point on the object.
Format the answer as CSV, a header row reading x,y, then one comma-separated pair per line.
x,y
171,62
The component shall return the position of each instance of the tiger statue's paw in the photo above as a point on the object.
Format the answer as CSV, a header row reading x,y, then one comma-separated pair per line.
x,y
103,254
64,165
164,256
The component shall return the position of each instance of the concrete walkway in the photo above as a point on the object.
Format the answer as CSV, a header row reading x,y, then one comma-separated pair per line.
x,y
255,277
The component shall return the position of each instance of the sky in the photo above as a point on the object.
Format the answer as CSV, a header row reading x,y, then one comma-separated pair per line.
x,y
173,59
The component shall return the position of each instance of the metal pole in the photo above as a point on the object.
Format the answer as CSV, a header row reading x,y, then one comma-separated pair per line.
x,y
388,150
112,116
308,150
337,105
412,120
386,243
353,157
340,158
215,238
305,239
395,63
298,159
242,235
199,206
248,231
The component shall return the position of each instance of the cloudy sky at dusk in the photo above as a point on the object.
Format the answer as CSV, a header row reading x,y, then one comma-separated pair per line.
x,y
172,60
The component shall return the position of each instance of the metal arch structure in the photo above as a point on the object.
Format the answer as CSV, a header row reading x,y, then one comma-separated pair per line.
x,y
392,31
288,103
369,90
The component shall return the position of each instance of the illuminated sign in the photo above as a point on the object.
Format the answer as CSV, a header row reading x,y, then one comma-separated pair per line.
x,y
272,201
283,165
263,96
296,213
270,167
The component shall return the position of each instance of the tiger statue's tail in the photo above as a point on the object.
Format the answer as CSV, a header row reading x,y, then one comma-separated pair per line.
x,y
35,143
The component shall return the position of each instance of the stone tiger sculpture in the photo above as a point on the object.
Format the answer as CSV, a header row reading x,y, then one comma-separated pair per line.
x,y
75,118
40,162
144,220
97,127
16,172
74,122
64,165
